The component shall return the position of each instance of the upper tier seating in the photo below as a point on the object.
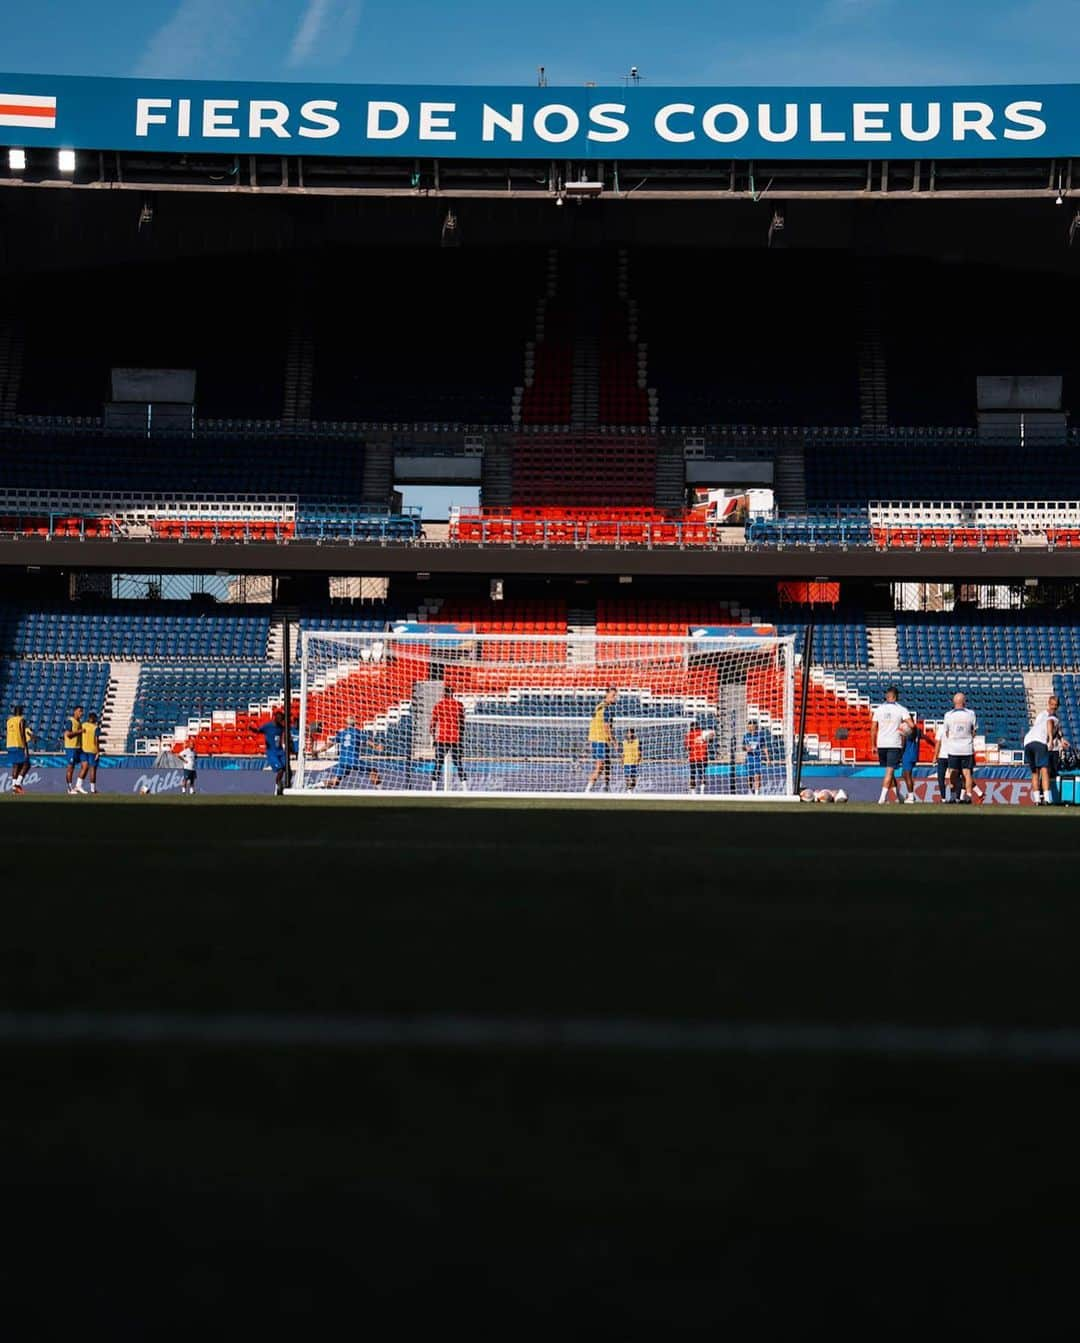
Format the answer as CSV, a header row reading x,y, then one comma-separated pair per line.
x,y
224,318
948,322
135,630
731,341
308,467
557,526
420,333
811,530
585,470
339,523
942,468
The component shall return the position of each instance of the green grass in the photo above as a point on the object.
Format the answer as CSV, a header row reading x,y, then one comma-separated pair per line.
x,y
587,1194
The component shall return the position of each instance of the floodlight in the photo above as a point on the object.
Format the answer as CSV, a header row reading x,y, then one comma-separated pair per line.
x,y
65,160
16,160
583,190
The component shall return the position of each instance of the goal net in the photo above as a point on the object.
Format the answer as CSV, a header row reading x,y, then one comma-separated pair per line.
x,y
545,715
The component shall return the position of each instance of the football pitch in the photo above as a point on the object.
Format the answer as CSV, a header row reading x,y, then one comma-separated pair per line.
x,y
601,1069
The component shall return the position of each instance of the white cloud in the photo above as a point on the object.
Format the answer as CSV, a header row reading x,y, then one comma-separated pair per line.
x,y
326,29
200,38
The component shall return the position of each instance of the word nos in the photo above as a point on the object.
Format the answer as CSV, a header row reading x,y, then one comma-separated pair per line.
x,y
725,123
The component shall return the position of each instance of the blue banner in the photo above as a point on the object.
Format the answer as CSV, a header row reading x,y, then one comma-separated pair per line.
x,y
990,122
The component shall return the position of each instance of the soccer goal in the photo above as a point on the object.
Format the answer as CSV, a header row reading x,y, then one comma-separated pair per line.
x,y
546,715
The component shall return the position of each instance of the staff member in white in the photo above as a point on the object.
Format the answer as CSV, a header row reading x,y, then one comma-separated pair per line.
x,y
959,729
1037,747
889,726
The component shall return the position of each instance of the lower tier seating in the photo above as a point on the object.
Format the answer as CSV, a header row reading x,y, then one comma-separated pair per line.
x,y
174,695
838,710
1006,639
50,691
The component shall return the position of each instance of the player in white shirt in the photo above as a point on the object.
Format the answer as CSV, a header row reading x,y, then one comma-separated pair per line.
x,y
1037,747
890,726
941,764
187,759
959,729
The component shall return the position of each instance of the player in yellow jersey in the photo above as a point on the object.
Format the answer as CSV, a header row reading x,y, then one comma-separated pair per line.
x,y
19,738
631,758
601,737
91,750
73,748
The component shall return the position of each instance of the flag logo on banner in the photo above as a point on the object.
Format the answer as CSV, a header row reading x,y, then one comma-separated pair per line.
x,y
25,109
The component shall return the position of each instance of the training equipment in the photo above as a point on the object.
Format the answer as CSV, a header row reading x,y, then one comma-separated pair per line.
x,y
530,720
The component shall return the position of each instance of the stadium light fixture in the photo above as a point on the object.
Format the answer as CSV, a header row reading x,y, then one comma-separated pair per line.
x,y
451,231
65,160
16,160
582,190
1060,199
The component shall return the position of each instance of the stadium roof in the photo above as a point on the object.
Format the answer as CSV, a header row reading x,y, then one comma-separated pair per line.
x,y
621,142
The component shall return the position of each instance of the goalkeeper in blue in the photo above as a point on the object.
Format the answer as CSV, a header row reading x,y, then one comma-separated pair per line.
x,y
354,747
274,744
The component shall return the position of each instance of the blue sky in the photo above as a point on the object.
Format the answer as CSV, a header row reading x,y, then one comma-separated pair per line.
x,y
485,41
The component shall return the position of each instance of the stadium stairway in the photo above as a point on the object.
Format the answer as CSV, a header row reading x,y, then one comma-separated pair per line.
x,y
497,481
581,620
276,640
670,475
881,639
1039,686
11,359
873,369
119,706
790,479
377,483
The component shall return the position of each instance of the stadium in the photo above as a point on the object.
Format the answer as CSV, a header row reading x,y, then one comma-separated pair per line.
x,y
473,522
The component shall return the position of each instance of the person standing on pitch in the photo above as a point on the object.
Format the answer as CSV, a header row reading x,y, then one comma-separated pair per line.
x,y
754,748
910,758
19,738
888,725
91,750
1038,744
941,765
697,755
73,749
189,764
601,736
274,744
631,759
447,730
959,729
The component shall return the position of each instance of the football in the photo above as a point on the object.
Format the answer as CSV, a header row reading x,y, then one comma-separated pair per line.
x,y
709,734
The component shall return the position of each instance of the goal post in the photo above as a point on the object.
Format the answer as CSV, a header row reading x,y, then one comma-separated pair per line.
x,y
546,715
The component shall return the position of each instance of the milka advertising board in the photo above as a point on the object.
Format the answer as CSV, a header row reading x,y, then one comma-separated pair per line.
x,y
475,122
